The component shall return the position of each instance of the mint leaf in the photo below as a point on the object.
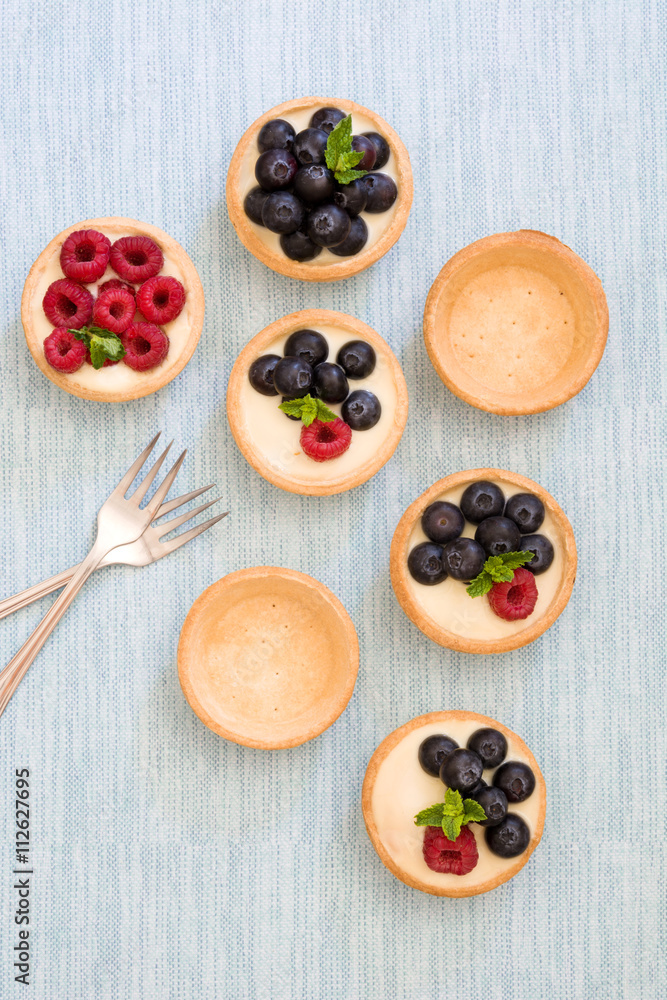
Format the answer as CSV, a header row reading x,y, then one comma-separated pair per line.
x,y
497,569
339,155
431,816
101,343
451,826
453,802
307,408
473,812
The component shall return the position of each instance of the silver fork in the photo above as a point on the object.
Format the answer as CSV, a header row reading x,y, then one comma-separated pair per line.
x,y
120,521
145,550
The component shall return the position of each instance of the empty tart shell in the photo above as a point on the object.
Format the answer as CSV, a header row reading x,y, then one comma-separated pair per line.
x,y
243,161
470,887
268,657
46,269
413,600
516,323
238,411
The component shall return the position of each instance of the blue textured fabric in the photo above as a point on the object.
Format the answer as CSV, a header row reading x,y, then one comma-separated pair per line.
x,y
169,864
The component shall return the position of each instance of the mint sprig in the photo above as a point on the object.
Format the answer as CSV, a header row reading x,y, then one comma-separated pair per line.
x,y
307,408
339,155
101,343
451,814
498,569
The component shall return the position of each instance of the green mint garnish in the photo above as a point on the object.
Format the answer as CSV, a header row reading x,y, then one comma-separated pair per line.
x,y
307,409
451,814
101,343
340,156
498,569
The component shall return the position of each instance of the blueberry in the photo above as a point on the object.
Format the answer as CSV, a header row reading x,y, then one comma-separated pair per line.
x,y
480,500
298,246
442,521
544,553
357,359
327,119
254,203
283,212
494,803
352,197
276,134
261,372
354,241
515,779
314,183
498,535
464,559
509,838
474,792
527,512
490,745
461,770
309,345
328,225
382,150
275,169
433,751
293,377
425,564
361,410
362,144
309,146
330,383
382,192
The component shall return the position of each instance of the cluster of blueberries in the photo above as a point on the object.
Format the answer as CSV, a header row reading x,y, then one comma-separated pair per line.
x,y
461,768
501,527
299,197
304,370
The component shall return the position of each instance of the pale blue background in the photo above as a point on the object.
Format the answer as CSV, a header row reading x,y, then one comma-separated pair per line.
x,y
171,865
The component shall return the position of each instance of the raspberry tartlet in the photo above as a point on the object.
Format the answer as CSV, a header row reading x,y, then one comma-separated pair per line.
x,y
484,561
112,309
319,189
516,323
268,657
454,803
317,402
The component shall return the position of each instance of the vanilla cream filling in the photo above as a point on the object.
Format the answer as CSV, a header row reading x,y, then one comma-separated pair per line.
x,y
277,438
376,222
115,378
448,603
402,789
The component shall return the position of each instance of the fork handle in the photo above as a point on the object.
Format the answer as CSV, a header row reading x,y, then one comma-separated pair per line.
x,y
26,597
12,675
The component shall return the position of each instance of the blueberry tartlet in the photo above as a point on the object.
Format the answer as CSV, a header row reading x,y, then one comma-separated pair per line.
x,y
454,803
319,189
484,561
112,309
317,402
516,323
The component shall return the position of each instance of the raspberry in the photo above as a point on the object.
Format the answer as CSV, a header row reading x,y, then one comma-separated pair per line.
x,y
161,299
136,258
515,600
67,304
63,351
146,346
456,857
114,309
84,255
324,440
117,283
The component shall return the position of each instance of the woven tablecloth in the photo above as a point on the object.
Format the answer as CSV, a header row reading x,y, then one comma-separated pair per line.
x,y
168,863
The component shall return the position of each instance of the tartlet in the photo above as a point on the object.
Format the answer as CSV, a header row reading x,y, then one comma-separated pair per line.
x,y
270,442
383,233
445,613
516,323
395,788
120,383
268,657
